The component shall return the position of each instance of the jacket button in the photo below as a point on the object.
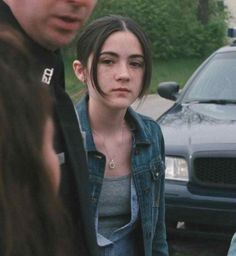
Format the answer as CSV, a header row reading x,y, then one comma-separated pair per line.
x,y
146,190
93,199
148,235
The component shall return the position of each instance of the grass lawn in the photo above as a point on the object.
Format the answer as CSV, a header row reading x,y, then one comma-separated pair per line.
x,y
177,70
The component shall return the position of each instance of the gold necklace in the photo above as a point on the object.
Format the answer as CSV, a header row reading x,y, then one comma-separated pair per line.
x,y
111,162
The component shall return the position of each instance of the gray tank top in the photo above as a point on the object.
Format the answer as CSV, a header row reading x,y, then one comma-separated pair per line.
x,y
114,209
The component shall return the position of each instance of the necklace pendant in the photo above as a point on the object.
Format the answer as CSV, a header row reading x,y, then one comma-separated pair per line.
x,y
112,164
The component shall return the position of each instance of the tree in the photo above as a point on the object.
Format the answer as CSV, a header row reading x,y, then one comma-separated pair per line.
x,y
203,11
177,29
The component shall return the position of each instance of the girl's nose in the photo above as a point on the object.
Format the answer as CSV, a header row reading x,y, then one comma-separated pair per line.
x,y
122,73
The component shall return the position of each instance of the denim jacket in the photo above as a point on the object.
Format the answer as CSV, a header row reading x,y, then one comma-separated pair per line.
x,y
147,167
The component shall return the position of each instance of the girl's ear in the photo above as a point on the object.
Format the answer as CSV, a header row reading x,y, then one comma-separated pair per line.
x,y
80,71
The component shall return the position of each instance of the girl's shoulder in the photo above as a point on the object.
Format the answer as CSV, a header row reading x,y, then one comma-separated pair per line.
x,y
145,122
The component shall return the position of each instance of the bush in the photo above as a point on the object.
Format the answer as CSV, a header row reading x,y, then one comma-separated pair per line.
x,y
172,26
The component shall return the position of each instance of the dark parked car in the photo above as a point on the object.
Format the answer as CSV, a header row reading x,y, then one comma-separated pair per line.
x,y
200,136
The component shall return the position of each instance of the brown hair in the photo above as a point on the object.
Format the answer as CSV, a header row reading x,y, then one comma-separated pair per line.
x,y
93,37
32,219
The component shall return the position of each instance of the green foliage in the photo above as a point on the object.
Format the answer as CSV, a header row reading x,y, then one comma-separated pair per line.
x,y
172,26
179,40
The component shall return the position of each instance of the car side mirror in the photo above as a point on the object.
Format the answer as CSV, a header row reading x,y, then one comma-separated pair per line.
x,y
168,90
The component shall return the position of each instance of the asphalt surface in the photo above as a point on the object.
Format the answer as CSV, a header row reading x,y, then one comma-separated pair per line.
x,y
152,105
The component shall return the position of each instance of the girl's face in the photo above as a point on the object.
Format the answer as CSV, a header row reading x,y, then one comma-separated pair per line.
x,y
49,154
120,71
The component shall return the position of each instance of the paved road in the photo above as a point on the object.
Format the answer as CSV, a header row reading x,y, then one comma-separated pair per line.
x,y
152,105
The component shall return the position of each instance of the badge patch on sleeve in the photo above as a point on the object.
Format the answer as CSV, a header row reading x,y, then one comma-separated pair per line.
x,y
61,157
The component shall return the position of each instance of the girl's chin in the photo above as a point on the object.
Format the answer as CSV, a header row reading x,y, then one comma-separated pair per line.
x,y
120,103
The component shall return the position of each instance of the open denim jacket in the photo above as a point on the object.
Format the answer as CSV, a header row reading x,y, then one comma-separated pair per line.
x,y
147,167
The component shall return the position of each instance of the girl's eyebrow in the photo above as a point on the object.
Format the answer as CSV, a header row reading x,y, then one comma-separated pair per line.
x,y
109,53
116,55
137,56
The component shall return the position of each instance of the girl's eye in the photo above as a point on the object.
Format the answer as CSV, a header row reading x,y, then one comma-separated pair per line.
x,y
106,61
137,64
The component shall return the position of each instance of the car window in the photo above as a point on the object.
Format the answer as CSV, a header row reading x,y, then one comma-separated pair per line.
x,y
216,81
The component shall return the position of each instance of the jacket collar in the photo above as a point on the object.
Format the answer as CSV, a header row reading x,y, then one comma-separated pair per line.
x,y
6,15
140,134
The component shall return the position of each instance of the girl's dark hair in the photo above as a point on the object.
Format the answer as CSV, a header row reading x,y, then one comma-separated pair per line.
x,y
93,37
32,219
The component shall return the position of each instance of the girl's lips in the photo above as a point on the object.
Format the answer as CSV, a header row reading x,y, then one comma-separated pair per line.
x,y
121,90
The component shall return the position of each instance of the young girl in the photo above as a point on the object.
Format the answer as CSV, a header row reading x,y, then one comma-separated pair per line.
x,y
125,149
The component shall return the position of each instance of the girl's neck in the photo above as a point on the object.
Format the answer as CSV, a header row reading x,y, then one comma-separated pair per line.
x,y
106,120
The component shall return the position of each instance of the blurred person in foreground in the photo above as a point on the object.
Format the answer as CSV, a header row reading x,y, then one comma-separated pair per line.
x,y
48,25
32,218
